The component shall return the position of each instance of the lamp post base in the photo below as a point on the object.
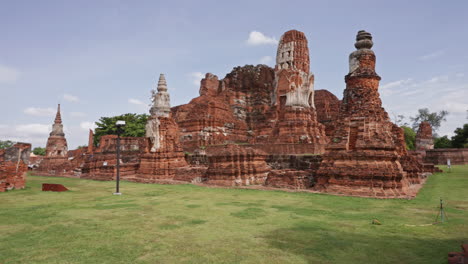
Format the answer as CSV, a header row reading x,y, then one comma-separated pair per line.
x,y
117,193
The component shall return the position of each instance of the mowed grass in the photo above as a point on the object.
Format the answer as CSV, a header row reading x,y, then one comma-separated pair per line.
x,y
153,223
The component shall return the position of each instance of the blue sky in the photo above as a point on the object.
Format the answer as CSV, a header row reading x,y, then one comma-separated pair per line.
x,y
102,58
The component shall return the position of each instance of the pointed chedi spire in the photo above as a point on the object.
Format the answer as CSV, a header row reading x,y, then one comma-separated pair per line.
x,y
161,99
57,143
58,116
162,84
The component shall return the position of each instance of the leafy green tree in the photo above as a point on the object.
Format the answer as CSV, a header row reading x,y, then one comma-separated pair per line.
x,y
39,151
435,119
134,126
442,142
460,139
6,144
410,137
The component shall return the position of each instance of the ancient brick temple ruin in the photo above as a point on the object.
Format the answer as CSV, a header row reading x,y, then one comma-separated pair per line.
x,y
272,109
263,126
13,166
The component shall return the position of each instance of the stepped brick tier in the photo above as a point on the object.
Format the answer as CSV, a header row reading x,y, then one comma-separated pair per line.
x,y
367,154
270,108
13,166
440,156
328,109
236,165
424,140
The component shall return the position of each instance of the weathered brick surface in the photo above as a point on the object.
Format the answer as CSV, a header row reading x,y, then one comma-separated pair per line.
x,y
328,109
424,140
440,156
53,187
13,166
236,165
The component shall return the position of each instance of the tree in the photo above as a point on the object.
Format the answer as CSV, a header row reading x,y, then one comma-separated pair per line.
x,y
460,139
435,119
442,142
39,151
410,137
134,126
6,144
399,120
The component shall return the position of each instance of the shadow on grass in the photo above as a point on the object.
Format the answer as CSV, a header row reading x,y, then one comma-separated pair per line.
x,y
318,244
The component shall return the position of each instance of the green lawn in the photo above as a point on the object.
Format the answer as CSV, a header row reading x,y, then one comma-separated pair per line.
x,y
153,223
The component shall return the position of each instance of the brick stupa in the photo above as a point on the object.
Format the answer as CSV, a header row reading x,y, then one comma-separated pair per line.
x,y
367,154
424,140
57,143
55,162
164,153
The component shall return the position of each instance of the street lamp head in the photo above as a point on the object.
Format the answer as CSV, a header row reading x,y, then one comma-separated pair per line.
x,y
120,123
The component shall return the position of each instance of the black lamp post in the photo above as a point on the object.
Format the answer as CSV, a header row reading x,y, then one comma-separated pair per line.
x,y
120,125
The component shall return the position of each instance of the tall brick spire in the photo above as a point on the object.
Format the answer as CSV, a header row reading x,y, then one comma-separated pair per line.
x,y
58,116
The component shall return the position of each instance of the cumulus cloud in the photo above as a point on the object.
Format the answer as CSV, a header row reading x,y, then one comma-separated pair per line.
x,y
8,74
432,55
258,38
86,125
266,60
196,77
36,134
77,114
135,101
37,111
71,98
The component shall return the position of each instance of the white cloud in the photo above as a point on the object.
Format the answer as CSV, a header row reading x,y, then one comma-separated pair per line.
x,y
390,88
36,134
33,129
87,125
266,60
196,77
432,55
135,101
438,79
71,98
37,111
77,114
460,74
258,38
8,74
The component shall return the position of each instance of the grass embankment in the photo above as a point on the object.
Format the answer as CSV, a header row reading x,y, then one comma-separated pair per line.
x,y
153,223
